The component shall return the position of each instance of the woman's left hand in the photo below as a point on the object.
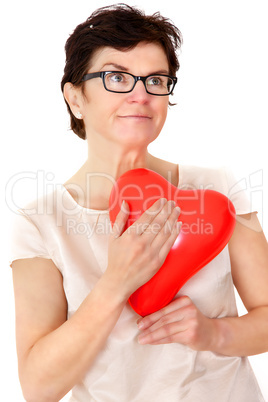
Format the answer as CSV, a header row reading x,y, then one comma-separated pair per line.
x,y
178,322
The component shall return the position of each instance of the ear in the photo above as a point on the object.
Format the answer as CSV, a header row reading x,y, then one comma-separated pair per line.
x,y
73,97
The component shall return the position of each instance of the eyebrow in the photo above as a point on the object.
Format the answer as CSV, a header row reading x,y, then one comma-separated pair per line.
x,y
123,68
117,66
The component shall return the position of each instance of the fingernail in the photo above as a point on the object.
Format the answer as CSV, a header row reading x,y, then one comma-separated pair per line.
x,y
178,210
125,207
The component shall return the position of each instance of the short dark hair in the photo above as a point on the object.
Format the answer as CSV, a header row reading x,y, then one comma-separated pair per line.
x,y
121,27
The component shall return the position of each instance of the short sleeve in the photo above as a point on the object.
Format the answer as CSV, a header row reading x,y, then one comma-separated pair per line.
x,y
238,194
26,240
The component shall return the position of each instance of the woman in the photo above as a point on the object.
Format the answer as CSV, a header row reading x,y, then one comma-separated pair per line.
x,y
73,275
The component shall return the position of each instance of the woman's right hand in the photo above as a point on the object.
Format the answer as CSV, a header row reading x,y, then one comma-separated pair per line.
x,y
135,255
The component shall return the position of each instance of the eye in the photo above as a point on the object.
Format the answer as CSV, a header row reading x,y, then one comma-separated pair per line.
x,y
155,81
116,77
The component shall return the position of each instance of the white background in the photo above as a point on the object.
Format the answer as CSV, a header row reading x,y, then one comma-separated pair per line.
x,y
220,117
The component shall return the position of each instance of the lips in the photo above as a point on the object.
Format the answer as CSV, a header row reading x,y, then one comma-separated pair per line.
x,y
135,116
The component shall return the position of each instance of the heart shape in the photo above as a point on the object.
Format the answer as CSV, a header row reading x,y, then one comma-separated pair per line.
x,y
208,221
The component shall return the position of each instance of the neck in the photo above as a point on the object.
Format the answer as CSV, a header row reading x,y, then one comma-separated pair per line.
x,y
98,174
115,164
115,158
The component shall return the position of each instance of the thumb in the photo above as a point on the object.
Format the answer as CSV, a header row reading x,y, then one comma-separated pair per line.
x,y
121,220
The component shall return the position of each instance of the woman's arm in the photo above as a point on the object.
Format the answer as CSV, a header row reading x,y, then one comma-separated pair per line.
x,y
182,322
248,249
54,353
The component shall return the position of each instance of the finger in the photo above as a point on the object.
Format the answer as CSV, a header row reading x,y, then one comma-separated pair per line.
x,y
168,244
179,337
173,317
175,305
147,217
170,222
168,229
165,334
121,220
167,325
160,219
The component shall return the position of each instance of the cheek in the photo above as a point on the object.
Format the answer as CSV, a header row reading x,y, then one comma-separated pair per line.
x,y
97,110
104,105
100,118
161,111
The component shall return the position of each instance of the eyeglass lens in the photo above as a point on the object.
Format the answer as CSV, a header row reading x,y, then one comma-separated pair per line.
x,y
124,82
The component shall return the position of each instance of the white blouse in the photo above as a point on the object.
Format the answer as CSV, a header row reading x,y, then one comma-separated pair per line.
x,y
76,239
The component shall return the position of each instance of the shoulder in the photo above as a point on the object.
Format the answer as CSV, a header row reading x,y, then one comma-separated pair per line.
x,y
47,205
199,177
32,207
39,214
219,179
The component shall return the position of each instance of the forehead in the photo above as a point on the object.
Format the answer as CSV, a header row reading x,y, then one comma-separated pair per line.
x,y
150,56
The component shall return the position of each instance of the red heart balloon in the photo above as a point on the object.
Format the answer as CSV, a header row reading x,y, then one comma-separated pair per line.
x,y
208,221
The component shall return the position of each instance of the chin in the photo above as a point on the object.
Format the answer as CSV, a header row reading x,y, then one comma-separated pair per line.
x,y
137,137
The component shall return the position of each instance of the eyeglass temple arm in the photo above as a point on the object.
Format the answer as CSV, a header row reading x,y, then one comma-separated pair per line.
x,y
91,75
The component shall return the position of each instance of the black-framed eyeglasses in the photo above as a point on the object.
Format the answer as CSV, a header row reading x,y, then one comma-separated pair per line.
x,y
121,82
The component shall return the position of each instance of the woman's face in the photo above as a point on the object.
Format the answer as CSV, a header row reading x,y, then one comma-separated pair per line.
x,y
131,119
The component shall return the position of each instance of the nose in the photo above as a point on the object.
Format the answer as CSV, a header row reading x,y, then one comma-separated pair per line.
x,y
139,94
